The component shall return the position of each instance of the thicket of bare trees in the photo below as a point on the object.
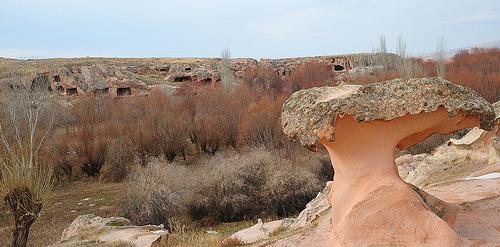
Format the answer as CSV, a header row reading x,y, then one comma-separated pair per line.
x,y
478,69
310,74
407,67
196,120
27,120
236,186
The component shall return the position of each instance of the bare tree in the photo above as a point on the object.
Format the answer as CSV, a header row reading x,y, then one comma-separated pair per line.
x,y
382,45
407,66
403,64
401,47
382,58
227,76
27,119
441,57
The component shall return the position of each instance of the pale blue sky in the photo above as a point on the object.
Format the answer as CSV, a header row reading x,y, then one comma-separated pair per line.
x,y
252,28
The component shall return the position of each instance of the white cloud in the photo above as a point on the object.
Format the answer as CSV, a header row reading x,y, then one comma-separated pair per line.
x,y
485,15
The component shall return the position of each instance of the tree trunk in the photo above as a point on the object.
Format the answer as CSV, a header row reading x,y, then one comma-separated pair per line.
x,y
20,235
25,212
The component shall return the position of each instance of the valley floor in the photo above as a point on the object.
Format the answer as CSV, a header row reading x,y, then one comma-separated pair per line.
x,y
93,197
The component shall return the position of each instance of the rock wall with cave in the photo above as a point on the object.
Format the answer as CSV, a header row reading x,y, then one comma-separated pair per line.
x,y
137,78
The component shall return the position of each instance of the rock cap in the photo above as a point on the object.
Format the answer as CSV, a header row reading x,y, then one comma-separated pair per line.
x,y
310,114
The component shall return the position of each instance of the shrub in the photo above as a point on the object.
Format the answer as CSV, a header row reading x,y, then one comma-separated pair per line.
x,y
310,74
211,121
288,189
90,145
166,125
478,69
260,125
264,79
157,194
119,161
157,125
89,135
228,187
63,167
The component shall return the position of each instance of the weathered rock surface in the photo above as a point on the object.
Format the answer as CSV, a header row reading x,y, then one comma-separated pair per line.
x,y
360,127
94,79
90,230
473,214
84,76
307,113
257,232
475,154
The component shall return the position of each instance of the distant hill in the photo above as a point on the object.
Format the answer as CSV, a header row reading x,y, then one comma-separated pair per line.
x,y
451,52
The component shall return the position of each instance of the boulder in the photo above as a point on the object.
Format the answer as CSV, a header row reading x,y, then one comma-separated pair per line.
x,y
257,232
90,230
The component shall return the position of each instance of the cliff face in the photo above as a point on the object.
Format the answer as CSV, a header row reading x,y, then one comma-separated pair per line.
x,y
120,77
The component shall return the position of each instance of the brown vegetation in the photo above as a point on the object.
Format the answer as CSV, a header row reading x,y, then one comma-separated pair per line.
x,y
228,187
311,74
263,79
478,69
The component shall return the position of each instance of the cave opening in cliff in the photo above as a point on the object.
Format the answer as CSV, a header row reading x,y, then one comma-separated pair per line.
x,y
71,91
182,78
124,91
57,78
187,69
337,67
206,81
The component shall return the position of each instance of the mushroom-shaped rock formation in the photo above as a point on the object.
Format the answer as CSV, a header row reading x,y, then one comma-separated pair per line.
x,y
361,126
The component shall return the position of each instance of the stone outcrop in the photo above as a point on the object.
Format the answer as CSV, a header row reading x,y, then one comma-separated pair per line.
x,y
90,230
318,107
361,126
136,78
475,153
97,79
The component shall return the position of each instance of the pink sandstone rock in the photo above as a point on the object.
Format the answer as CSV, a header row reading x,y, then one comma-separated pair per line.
x,y
361,126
